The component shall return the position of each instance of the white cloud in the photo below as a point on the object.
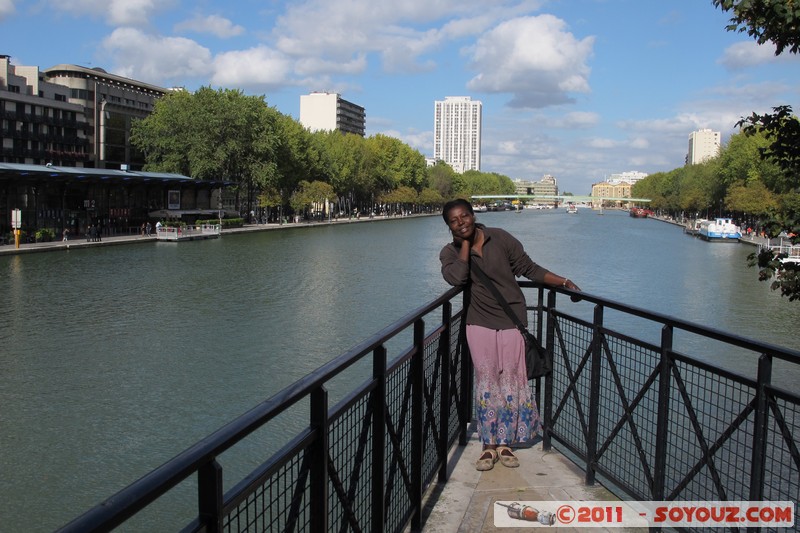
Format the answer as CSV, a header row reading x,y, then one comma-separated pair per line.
x,y
115,12
213,24
576,120
533,58
749,54
6,8
259,67
166,60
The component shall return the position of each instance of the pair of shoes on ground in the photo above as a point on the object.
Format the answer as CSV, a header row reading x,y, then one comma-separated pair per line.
x,y
490,456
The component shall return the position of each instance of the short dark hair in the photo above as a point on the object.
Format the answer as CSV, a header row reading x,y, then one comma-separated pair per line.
x,y
458,202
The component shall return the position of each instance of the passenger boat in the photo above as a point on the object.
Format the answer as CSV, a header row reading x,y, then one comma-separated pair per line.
x,y
719,230
572,209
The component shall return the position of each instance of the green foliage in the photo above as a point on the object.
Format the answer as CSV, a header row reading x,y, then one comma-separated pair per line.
x,y
753,198
273,161
776,21
45,235
311,196
226,222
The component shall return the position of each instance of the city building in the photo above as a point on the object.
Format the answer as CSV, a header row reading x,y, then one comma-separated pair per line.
x,y
324,111
703,145
630,177
70,115
111,104
547,186
40,124
457,132
606,189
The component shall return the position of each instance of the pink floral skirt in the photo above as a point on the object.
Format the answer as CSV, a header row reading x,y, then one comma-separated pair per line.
x,y
505,408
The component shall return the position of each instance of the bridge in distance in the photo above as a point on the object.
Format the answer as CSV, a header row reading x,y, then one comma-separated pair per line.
x,y
558,197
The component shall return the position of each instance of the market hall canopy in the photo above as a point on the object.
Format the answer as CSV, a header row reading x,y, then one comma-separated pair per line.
x,y
52,174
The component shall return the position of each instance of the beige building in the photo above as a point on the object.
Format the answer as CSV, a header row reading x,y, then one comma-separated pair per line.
x,y
323,111
703,145
606,189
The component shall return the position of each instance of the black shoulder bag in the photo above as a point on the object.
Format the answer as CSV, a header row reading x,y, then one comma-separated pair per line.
x,y
537,361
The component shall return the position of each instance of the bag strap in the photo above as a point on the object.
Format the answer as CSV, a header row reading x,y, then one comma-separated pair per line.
x,y
499,297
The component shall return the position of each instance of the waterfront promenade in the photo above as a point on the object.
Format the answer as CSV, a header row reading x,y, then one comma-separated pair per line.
x,y
80,242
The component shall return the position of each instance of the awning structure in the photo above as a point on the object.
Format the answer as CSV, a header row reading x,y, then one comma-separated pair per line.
x,y
53,174
178,213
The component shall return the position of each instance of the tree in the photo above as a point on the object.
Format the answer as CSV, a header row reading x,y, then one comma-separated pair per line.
x,y
312,196
753,198
776,21
212,135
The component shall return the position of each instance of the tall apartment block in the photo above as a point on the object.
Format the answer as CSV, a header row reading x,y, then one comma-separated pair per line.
x,y
703,145
324,111
70,115
457,132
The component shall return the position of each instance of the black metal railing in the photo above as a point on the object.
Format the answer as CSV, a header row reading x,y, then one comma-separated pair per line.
x,y
657,424
650,422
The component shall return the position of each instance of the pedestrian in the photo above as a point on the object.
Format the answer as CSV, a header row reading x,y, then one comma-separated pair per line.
x,y
147,228
143,228
65,235
89,232
506,411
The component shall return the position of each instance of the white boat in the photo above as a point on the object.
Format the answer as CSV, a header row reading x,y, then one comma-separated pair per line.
x,y
720,230
572,209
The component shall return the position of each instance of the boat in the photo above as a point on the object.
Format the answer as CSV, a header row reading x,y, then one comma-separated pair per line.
x,y
572,209
639,212
719,230
693,226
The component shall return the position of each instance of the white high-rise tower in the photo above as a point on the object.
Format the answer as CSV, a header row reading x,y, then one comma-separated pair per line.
x,y
703,145
457,132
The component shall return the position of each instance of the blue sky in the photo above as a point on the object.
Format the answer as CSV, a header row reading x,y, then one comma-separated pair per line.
x,y
579,89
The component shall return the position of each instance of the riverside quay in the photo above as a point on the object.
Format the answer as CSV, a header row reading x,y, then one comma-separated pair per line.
x,y
115,201
633,413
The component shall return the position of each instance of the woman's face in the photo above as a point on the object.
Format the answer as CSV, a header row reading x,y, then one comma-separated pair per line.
x,y
461,222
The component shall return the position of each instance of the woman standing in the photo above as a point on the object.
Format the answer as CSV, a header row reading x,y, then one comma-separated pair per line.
x,y
506,411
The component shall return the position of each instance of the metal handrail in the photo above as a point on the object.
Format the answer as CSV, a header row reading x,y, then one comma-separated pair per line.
x,y
414,409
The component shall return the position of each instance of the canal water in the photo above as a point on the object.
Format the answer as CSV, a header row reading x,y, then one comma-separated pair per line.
x,y
115,359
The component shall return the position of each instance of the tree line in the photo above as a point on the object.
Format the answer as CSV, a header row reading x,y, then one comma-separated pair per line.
x,y
757,175
276,164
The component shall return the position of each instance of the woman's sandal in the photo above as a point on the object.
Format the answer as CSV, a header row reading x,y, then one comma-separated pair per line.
x,y
507,457
487,460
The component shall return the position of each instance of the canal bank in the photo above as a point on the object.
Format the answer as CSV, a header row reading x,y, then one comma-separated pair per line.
x,y
78,243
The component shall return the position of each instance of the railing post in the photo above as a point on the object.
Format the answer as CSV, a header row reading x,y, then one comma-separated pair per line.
x,y
594,396
209,496
417,446
662,416
760,427
378,437
318,497
465,409
444,389
549,346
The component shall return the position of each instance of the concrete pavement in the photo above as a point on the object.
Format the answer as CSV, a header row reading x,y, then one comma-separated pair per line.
x,y
466,503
